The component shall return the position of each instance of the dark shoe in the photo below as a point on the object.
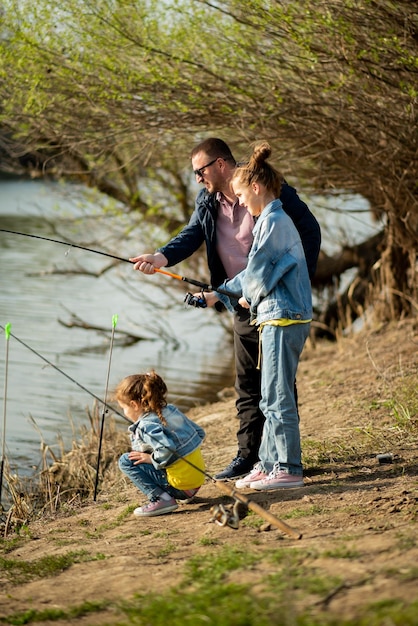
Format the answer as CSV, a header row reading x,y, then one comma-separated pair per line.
x,y
237,468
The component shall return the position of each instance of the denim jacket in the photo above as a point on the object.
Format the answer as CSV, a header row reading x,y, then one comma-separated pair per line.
x,y
276,281
179,438
202,229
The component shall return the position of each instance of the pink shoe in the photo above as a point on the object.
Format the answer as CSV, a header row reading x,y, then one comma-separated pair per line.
x,y
255,475
158,507
278,480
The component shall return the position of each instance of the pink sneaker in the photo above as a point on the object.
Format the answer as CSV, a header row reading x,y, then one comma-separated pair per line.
x,y
158,507
278,480
255,475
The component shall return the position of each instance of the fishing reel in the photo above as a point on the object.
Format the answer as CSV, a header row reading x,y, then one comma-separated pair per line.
x,y
197,301
226,515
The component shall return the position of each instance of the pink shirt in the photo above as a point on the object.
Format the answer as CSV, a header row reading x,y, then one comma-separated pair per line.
x,y
234,226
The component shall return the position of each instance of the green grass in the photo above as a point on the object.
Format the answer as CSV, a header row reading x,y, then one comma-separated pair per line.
x,y
312,510
98,532
220,605
9,544
406,575
393,422
215,591
22,571
208,541
210,595
167,549
406,541
214,567
226,586
32,616
252,520
342,552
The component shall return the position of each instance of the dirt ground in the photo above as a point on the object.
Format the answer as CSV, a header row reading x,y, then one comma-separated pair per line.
x,y
350,501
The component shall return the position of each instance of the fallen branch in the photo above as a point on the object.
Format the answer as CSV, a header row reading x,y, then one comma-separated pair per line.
x,y
73,272
76,322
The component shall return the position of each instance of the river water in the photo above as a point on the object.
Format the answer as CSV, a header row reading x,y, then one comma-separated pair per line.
x,y
39,294
40,291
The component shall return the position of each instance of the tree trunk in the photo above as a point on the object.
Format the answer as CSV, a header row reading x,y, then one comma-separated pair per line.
x,y
396,287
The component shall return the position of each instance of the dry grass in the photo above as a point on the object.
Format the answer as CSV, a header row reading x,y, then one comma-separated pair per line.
x,y
68,477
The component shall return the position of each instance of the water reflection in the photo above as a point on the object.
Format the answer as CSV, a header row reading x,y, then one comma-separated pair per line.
x,y
40,288
44,284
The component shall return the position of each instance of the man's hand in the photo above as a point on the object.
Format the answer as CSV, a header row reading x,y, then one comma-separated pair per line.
x,y
242,301
148,263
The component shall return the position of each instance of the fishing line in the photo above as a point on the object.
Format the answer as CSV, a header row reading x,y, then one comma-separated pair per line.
x,y
225,488
105,405
191,281
65,243
66,375
103,402
3,445
231,519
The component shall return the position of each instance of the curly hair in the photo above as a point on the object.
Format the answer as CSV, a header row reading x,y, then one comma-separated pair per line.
x,y
149,390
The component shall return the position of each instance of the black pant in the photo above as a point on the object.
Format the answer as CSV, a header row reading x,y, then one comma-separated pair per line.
x,y
247,385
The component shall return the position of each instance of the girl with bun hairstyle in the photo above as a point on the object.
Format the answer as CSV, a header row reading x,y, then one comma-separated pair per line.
x,y
275,286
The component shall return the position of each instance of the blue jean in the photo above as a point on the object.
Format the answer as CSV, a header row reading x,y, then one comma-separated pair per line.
x,y
280,448
152,482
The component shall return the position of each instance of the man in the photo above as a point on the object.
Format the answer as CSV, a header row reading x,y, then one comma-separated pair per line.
x,y
226,229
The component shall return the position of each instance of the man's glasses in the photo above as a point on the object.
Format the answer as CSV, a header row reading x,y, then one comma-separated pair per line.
x,y
200,171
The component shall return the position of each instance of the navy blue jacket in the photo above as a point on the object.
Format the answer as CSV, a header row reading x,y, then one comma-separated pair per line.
x,y
202,229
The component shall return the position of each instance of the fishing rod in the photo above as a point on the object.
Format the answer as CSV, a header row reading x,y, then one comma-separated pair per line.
x,y
38,354
190,281
103,402
58,369
3,445
229,519
114,322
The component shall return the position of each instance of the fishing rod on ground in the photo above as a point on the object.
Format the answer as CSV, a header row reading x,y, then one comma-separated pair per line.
x,y
190,281
223,517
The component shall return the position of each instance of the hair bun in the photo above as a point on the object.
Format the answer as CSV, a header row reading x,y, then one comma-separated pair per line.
x,y
261,152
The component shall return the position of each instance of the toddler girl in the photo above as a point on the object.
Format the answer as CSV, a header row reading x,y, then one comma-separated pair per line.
x,y
166,461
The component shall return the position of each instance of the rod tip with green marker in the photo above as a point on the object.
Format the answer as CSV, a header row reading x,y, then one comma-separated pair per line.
x,y
7,330
115,320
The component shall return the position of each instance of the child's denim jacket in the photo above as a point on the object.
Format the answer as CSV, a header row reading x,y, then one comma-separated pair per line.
x,y
275,282
179,438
